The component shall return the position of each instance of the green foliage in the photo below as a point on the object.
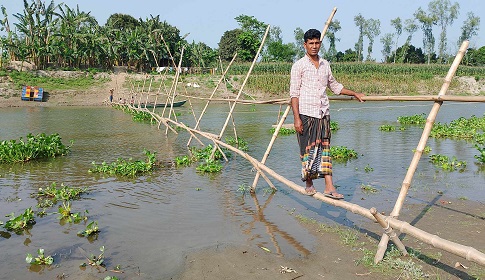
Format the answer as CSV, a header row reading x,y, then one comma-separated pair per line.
x,y
36,147
481,156
342,153
96,260
41,259
209,166
239,143
59,83
128,167
368,189
416,119
461,128
21,222
91,229
448,164
183,161
141,116
387,127
283,131
53,193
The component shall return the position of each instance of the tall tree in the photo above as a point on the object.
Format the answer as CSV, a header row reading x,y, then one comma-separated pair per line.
x,y
445,13
333,28
360,21
387,42
371,31
251,36
228,44
299,40
410,27
469,28
427,22
397,24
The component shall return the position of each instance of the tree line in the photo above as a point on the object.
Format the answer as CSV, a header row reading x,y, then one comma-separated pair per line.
x,y
58,36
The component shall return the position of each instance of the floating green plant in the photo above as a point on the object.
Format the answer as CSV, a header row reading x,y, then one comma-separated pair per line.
x,y
239,143
416,119
387,127
91,229
54,193
141,116
283,131
209,166
368,189
368,169
448,164
342,153
461,128
35,147
66,215
21,221
128,167
480,157
94,260
183,161
41,258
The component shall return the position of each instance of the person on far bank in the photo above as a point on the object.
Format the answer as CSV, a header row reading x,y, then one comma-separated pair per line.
x,y
111,95
310,77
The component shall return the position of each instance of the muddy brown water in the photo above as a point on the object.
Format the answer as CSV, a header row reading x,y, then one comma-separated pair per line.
x,y
149,224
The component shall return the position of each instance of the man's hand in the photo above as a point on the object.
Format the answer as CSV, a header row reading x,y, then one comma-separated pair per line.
x,y
298,125
359,96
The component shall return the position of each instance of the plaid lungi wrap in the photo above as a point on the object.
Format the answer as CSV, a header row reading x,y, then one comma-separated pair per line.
x,y
316,160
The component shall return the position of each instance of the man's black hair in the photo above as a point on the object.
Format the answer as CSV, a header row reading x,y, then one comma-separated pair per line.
x,y
312,34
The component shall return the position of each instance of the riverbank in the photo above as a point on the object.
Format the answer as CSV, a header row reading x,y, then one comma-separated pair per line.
x,y
191,85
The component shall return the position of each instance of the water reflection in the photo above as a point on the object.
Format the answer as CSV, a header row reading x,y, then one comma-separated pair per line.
x,y
272,229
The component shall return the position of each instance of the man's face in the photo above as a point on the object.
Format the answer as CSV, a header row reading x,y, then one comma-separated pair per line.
x,y
312,46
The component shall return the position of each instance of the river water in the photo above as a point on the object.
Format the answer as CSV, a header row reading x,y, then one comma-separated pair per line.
x,y
149,224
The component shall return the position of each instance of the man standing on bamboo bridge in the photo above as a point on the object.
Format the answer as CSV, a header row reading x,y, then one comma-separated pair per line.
x,y
310,76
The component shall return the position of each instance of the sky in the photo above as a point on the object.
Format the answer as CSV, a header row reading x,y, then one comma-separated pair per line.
x,y
207,20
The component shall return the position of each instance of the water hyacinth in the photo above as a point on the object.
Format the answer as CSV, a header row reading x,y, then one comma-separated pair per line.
x,y
35,147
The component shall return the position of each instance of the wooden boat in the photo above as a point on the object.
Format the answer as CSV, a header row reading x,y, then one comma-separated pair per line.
x,y
32,93
158,105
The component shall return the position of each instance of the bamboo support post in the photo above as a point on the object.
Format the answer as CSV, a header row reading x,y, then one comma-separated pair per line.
x,y
212,94
270,146
421,145
388,231
327,23
172,96
245,81
427,129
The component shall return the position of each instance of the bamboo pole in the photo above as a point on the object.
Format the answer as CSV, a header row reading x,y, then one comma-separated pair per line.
x,y
327,23
419,150
454,98
244,82
172,96
212,94
268,150
427,129
389,232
